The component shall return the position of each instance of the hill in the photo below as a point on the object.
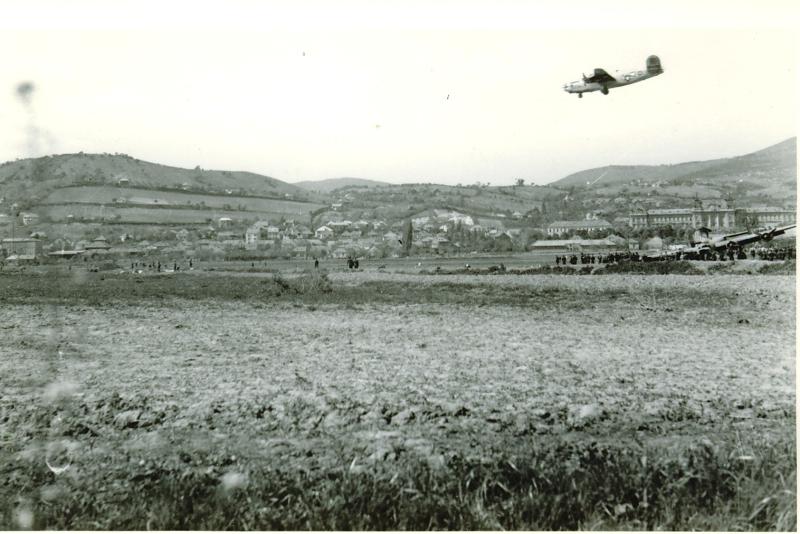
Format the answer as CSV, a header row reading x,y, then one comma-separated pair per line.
x,y
120,188
393,202
332,184
770,168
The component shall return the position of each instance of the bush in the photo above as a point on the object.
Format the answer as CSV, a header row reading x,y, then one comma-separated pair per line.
x,y
312,282
785,267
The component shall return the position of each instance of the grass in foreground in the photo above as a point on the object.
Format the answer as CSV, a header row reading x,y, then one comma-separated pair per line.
x,y
498,481
95,289
545,487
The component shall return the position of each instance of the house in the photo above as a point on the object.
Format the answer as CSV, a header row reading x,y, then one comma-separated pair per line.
x,y
29,218
251,238
254,234
419,222
465,220
99,244
65,254
273,232
21,248
339,226
224,222
323,232
438,241
304,232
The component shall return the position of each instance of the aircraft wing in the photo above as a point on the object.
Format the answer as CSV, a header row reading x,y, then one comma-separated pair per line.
x,y
745,238
600,76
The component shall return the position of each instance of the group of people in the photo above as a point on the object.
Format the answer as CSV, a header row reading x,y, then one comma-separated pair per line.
x,y
352,263
727,254
584,259
157,265
771,254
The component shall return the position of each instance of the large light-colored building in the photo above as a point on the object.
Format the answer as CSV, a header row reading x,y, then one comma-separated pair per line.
x,y
566,227
712,217
772,215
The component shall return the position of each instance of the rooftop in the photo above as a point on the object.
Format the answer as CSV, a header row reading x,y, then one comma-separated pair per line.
x,y
580,224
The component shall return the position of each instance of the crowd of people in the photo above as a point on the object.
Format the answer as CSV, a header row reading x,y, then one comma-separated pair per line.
x,y
728,254
157,266
584,259
771,254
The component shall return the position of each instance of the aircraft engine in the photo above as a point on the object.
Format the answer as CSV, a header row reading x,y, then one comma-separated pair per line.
x,y
654,65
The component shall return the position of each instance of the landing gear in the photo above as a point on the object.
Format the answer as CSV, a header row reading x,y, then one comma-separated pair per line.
x,y
604,90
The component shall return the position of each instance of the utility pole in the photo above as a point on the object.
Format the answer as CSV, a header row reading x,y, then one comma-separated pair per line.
x,y
13,224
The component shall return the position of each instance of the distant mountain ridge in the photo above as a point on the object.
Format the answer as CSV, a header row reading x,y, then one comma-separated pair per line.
x,y
95,188
772,163
332,184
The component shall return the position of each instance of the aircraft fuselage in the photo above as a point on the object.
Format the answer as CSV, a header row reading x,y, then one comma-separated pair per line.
x,y
603,81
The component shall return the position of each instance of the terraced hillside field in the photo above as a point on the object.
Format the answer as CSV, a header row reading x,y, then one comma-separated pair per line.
x,y
390,401
149,197
163,215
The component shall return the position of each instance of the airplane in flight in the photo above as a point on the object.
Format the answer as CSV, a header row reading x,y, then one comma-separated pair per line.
x,y
603,81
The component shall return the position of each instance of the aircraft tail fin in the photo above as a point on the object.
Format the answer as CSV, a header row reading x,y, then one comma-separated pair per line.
x,y
654,65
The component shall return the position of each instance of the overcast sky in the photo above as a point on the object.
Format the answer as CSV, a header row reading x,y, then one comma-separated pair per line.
x,y
447,92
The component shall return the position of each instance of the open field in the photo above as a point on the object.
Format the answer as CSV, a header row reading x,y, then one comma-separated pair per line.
x,y
60,213
396,401
109,194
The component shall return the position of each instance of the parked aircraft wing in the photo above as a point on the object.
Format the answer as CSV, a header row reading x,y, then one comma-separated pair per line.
x,y
600,76
745,238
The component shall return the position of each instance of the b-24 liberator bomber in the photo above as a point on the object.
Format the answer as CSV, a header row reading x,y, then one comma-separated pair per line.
x,y
707,245
603,81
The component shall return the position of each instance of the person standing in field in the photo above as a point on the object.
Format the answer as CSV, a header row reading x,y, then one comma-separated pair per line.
x,y
316,263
